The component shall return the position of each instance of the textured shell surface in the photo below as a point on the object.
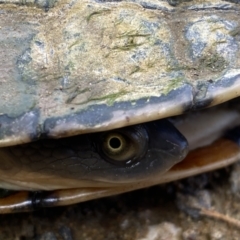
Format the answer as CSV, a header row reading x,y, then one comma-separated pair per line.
x,y
70,67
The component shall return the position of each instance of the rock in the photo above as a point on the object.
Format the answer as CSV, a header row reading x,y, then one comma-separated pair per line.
x,y
163,231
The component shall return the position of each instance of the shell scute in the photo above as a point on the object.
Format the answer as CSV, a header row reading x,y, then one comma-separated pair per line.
x,y
89,66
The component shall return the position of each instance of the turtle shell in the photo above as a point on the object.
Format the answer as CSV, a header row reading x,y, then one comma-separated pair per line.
x,y
73,67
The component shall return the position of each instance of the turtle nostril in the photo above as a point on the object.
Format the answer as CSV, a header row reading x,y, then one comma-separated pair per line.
x,y
234,134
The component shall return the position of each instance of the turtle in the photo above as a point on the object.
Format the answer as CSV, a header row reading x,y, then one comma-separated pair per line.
x,y
103,97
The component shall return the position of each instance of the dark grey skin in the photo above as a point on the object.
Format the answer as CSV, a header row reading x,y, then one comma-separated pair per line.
x,y
132,154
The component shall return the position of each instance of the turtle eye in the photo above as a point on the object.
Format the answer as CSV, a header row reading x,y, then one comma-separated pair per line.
x,y
123,146
115,146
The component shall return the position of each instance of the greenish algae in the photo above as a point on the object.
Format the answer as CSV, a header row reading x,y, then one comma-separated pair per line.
x,y
110,98
91,15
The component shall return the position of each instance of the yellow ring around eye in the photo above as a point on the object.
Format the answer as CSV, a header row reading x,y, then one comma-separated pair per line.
x,y
115,144
123,146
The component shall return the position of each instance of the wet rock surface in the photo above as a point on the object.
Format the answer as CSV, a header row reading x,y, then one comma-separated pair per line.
x,y
160,212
